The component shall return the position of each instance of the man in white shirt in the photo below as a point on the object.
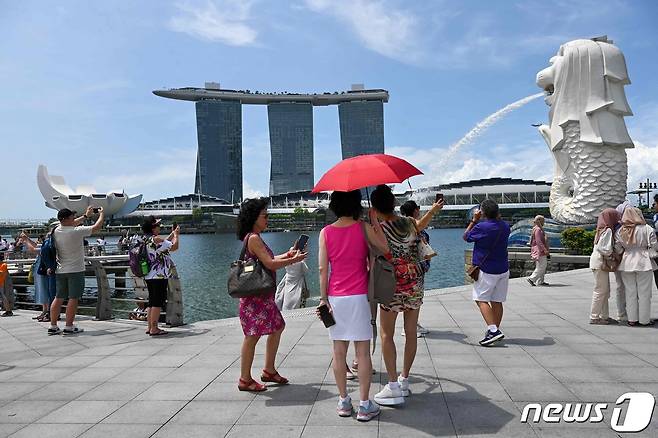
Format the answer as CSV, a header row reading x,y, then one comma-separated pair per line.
x,y
70,272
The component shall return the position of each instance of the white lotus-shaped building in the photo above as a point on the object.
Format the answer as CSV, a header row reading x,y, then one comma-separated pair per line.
x,y
58,195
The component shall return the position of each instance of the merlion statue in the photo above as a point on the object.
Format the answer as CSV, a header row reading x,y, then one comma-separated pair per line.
x,y
586,133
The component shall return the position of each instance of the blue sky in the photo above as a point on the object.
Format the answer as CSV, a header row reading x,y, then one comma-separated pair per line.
x,y
77,78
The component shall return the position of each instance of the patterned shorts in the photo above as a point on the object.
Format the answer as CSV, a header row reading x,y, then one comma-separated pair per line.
x,y
402,303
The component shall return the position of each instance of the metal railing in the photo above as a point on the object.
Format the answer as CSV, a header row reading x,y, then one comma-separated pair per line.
x,y
111,290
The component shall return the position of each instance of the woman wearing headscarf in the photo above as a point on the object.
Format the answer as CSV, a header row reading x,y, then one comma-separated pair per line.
x,y
635,238
539,252
604,247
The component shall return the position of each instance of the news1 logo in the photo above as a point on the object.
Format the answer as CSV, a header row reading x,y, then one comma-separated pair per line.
x,y
638,412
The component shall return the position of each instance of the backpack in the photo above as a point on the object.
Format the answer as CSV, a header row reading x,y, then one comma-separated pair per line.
x,y
138,259
48,257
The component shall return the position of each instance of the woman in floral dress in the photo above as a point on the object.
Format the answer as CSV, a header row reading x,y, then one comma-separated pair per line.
x,y
161,269
402,236
259,314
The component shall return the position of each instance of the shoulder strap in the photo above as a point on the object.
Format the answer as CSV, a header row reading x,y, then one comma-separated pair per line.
x,y
245,243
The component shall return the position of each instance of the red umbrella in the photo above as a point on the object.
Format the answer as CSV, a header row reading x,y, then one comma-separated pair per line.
x,y
364,171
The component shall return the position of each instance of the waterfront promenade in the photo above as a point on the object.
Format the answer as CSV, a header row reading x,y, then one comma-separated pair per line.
x,y
112,380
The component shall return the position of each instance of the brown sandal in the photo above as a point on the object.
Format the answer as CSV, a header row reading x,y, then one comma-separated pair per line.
x,y
252,386
274,377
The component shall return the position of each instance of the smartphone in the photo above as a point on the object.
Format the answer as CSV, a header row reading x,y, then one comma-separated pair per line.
x,y
95,210
439,197
301,242
326,316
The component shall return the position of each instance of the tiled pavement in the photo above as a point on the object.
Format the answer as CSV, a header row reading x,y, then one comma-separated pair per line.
x,y
112,380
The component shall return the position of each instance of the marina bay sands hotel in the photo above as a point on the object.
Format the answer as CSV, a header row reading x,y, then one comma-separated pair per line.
x,y
219,134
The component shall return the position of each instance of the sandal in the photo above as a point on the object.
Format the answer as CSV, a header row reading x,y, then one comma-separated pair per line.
x,y
632,323
159,333
274,377
252,386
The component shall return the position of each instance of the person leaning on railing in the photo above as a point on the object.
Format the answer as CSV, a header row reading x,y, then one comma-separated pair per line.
x,y
45,287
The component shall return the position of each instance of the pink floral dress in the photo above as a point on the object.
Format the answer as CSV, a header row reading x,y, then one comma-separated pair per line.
x,y
259,314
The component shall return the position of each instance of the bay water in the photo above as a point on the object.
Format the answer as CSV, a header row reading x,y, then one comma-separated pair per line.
x,y
203,262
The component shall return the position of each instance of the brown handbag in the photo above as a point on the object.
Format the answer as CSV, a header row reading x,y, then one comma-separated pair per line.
x,y
249,277
473,271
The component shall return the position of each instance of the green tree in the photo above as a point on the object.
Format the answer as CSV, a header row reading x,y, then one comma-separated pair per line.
x,y
197,215
578,239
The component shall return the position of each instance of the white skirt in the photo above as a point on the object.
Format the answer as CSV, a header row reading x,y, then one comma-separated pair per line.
x,y
352,315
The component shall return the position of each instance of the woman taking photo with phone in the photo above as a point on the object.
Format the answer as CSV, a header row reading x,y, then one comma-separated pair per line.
x,y
402,237
259,315
161,269
344,294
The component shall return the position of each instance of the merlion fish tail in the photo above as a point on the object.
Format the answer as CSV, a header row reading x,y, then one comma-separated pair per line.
x,y
588,178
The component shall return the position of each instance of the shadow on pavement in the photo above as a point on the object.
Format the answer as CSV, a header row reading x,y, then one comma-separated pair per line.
x,y
529,342
449,335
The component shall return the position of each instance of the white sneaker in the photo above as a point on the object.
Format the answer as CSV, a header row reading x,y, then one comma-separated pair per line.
x,y
389,396
367,413
345,408
404,385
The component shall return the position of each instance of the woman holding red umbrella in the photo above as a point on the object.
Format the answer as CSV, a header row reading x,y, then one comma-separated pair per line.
x,y
401,233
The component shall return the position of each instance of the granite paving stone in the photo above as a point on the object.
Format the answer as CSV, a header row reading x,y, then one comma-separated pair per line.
x,y
121,430
198,431
79,411
114,381
211,412
51,430
145,412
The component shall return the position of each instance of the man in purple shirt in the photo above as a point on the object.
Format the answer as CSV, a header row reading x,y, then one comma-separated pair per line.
x,y
490,254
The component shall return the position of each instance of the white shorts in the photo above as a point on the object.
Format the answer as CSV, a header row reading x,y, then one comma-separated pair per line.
x,y
491,287
352,315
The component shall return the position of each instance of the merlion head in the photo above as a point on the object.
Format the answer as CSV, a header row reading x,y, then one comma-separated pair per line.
x,y
585,83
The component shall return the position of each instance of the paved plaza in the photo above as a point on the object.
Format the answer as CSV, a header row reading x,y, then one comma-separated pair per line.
x,y
112,380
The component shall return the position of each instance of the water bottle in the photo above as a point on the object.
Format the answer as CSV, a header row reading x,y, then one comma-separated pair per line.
x,y
144,266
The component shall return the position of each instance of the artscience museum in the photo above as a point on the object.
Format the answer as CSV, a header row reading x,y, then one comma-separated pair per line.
x,y
57,194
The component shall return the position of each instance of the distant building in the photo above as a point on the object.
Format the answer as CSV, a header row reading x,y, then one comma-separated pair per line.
x,y
182,205
361,128
219,160
219,131
291,145
57,194
507,192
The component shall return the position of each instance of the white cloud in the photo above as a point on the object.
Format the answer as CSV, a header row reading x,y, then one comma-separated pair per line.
x,y
173,170
531,163
380,27
642,163
250,192
224,21
451,35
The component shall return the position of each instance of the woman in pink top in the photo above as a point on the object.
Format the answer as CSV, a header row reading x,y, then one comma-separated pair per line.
x,y
344,252
539,252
